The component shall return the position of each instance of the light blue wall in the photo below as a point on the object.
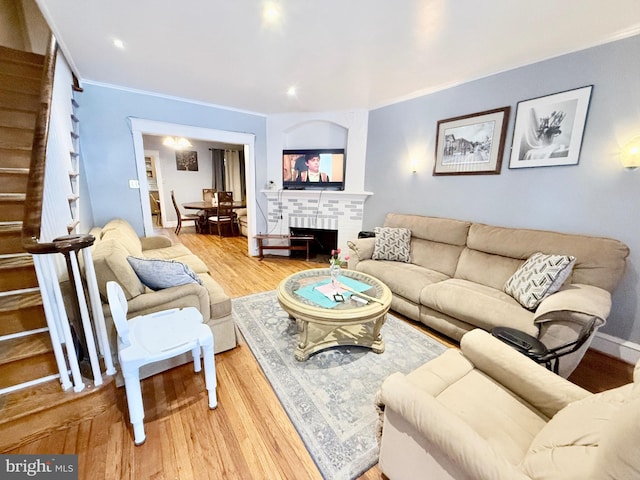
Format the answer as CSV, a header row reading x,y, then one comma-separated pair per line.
x,y
108,151
595,197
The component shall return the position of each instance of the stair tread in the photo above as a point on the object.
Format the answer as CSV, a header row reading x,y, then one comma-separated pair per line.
x,y
14,171
12,197
15,82
16,261
32,412
24,102
43,396
18,320
10,226
20,56
16,301
20,348
34,368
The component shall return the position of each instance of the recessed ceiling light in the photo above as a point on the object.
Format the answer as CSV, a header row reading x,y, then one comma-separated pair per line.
x,y
292,91
118,43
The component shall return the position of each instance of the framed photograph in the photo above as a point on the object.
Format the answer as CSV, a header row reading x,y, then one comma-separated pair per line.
x,y
549,129
187,160
472,144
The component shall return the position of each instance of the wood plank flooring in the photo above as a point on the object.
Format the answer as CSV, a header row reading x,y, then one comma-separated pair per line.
x,y
248,436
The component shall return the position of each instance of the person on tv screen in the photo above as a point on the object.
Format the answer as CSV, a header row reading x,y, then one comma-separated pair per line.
x,y
310,172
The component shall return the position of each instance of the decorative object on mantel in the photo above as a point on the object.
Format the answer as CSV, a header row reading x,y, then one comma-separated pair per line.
x,y
630,155
548,130
471,144
330,397
187,160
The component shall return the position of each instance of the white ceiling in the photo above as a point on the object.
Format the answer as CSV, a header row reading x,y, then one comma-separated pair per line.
x,y
340,54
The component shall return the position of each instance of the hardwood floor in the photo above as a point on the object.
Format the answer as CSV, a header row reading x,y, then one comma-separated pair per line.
x,y
248,436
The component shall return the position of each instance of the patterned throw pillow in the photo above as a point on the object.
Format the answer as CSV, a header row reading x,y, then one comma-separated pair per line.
x,y
392,244
158,274
538,277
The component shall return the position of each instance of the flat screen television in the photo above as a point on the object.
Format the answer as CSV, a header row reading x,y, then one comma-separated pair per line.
x,y
313,169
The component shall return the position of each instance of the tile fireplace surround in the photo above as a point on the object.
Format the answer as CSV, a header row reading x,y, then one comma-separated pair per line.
x,y
320,209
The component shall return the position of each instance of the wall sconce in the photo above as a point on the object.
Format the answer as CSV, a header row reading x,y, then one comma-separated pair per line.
x,y
413,163
176,143
630,155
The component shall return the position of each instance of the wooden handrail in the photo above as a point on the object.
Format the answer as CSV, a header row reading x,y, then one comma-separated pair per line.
x,y
32,220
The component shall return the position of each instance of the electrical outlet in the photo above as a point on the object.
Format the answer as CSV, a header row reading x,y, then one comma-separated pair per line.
x,y
134,184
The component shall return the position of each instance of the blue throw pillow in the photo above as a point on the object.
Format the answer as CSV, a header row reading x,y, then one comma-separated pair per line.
x,y
158,274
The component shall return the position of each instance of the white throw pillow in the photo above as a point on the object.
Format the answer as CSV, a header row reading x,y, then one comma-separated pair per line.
x,y
392,244
157,274
538,277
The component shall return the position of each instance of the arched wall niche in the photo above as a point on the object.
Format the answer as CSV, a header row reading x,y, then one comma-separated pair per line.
x,y
316,134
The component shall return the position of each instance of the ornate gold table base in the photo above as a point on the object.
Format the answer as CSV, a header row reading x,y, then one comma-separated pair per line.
x,y
347,324
314,337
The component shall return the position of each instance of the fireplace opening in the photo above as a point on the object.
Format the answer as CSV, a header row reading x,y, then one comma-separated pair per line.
x,y
320,248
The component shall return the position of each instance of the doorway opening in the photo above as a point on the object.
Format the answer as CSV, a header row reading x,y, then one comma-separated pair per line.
x,y
142,127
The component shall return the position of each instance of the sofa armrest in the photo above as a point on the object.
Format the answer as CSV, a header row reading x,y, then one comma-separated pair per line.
x,y
360,249
575,303
158,241
542,388
188,295
448,432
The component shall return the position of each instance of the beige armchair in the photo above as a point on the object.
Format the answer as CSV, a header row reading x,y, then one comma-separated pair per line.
x,y
488,412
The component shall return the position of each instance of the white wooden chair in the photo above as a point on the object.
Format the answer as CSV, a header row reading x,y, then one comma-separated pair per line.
x,y
157,336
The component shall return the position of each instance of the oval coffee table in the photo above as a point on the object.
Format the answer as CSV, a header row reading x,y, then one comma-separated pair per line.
x,y
347,323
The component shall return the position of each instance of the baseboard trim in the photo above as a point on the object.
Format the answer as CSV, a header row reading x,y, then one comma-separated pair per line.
x,y
624,350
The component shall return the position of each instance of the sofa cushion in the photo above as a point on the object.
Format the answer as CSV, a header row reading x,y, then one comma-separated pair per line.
x,y
219,301
179,253
404,279
540,276
110,263
441,257
158,274
599,261
618,450
392,244
485,268
504,420
567,446
441,230
120,230
477,305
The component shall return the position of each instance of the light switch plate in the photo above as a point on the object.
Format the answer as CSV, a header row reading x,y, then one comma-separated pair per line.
x,y
134,184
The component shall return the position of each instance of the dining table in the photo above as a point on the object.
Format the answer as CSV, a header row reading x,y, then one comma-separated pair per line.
x,y
207,209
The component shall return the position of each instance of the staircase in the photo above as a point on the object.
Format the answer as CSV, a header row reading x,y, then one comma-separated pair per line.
x,y
31,399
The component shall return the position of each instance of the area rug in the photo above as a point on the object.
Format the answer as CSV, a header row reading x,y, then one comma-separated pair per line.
x,y
330,397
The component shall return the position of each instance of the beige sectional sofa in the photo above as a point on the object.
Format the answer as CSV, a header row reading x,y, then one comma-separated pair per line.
x,y
454,281
116,241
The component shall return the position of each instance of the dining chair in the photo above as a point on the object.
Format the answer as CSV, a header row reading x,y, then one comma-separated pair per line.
x,y
225,214
153,337
188,217
154,203
208,194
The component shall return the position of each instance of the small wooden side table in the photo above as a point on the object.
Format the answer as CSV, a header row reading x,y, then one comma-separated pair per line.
x,y
261,246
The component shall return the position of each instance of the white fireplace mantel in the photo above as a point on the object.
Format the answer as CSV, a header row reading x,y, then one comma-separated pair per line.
x,y
317,209
319,194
